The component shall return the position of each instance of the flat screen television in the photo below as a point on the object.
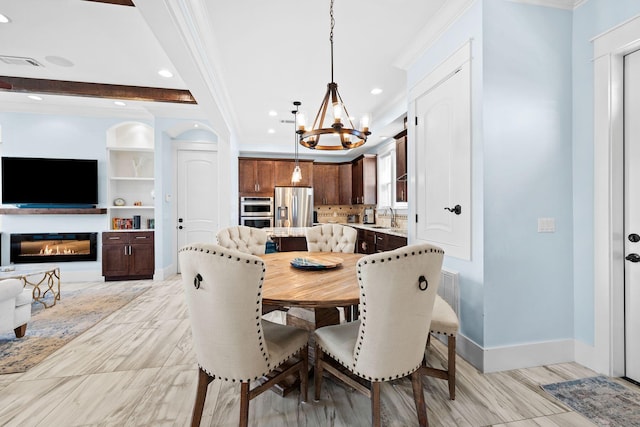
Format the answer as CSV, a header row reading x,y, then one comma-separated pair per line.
x,y
29,182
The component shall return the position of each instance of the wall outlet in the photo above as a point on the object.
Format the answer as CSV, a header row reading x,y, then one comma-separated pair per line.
x,y
546,225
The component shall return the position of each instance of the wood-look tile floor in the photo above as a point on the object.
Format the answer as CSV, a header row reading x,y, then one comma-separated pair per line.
x,y
137,368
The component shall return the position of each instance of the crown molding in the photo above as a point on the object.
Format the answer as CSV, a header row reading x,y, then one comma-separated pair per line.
x,y
558,4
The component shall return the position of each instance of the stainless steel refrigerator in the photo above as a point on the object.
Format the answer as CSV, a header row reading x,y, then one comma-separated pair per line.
x,y
293,207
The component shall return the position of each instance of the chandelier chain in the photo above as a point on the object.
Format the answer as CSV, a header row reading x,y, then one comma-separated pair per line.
x,y
333,23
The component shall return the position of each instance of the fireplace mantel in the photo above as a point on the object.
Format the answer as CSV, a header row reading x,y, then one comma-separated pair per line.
x,y
52,211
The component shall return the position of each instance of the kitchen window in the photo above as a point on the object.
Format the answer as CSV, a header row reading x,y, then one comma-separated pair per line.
x,y
386,176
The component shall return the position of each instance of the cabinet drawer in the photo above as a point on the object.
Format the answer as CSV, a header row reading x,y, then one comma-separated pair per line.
x,y
114,238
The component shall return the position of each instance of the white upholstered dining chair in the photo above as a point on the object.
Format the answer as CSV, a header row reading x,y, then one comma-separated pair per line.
x,y
245,239
334,238
397,294
331,238
223,290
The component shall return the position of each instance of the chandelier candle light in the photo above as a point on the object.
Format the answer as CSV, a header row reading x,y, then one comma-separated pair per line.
x,y
296,177
342,127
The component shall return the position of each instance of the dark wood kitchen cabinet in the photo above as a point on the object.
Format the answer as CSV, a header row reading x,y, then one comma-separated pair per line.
x,y
128,255
256,177
345,175
326,185
284,169
388,242
401,166
364,191
290,244
366,243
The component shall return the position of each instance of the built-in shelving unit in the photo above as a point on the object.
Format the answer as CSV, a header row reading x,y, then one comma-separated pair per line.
x,y
131,177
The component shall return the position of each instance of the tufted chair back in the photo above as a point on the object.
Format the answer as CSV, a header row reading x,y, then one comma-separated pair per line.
x,y
396,310
331,238
245,239
223,294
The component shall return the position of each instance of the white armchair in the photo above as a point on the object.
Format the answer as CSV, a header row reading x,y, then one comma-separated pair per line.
x,y
15,306
245,239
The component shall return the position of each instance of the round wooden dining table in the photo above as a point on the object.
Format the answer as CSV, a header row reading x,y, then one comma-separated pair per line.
x,y
288,286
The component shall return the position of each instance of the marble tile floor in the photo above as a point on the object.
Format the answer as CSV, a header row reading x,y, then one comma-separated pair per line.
x,y
136,368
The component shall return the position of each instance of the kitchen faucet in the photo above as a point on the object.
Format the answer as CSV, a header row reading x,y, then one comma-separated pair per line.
x,y
394,223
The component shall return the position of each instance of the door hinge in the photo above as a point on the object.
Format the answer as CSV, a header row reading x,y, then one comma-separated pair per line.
x,y
416,120
416,218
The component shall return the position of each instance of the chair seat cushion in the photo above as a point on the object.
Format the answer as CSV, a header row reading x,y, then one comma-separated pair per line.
x,y
338,341
283,341
25,297
444,319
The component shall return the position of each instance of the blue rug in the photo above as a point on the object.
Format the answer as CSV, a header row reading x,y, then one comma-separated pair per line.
x,y
603,401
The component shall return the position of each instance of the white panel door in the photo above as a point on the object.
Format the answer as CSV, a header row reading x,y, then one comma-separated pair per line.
x,y
197,196
443,164
632,214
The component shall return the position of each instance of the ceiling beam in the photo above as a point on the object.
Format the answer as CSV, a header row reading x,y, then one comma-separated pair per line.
x,y
120,2
95,90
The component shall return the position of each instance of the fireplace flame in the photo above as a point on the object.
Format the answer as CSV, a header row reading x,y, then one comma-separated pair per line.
x,y
51,251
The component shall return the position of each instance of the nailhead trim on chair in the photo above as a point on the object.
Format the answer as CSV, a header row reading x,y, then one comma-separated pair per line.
x,y
258,310
363,302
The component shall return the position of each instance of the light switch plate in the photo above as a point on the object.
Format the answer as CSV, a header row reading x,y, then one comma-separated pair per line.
x,y
546,225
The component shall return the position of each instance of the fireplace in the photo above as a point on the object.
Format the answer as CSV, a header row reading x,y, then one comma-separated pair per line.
x,y
53,247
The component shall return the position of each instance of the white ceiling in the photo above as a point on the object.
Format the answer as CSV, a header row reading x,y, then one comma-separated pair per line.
x,y
263,55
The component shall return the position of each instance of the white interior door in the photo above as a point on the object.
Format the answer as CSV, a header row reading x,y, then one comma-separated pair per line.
x,y
443,164
632,214
197,196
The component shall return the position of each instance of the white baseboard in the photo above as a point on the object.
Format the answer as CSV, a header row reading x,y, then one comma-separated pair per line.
x,y
505,358
81,276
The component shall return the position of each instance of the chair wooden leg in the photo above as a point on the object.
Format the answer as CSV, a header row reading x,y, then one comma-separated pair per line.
x,y
375,404
244,404
304,373
201,394
318,372
451,344
418,397
20,330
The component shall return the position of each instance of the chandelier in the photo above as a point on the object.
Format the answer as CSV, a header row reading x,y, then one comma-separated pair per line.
x,y
340,132
296,177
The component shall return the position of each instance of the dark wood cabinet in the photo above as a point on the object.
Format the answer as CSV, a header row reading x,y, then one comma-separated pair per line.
x,y
289,244
284,169
345,175
389,242
366,242
364,190
326,184
401,166
128,255
256,177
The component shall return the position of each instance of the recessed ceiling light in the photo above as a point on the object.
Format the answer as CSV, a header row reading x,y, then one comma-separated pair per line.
x,y
383,137
4,19
165,73
119,103
35,97
273,113
59,60
195,125
271,131
376,91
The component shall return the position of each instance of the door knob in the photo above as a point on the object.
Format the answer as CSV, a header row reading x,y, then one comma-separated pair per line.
x,y
633,257
180,227
633,237
457,209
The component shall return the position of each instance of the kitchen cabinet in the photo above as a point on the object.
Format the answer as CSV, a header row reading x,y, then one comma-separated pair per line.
x,y
326,187
389,242
364,180
345,175
128,255
289,244
256,177
401,166
366,241
284,169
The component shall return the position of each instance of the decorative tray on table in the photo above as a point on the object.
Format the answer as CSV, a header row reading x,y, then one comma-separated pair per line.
x,y
316,262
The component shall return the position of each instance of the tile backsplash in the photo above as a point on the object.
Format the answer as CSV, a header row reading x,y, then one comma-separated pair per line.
x,y
340,214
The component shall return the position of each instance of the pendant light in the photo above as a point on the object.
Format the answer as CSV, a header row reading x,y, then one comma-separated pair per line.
x,y
296,177
340,133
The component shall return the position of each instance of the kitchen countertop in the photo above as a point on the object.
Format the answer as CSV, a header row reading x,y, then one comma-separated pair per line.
x,y
300,231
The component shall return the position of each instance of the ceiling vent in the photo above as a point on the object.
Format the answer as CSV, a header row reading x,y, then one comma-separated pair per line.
x,y
19,60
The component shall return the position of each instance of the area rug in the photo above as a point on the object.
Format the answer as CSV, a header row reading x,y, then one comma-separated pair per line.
x,y
603,401
51,328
